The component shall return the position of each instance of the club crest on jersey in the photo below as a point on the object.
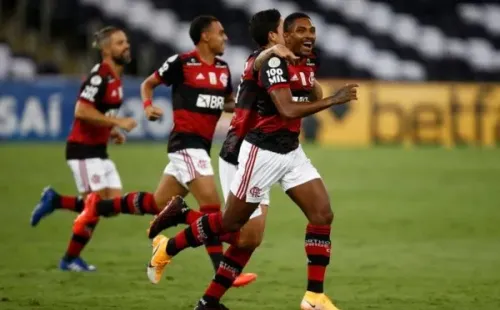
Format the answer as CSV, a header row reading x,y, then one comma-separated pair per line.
x,y
223,79
274,62
309,62
193,62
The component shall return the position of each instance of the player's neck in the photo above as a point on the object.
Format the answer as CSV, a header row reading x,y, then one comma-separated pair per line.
x,y
117,69
205,54
269,45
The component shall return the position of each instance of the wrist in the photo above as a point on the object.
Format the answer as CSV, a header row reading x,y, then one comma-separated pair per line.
x,y
146,103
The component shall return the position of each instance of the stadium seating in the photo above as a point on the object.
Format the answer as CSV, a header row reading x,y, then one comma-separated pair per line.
x,y
15,65
369,39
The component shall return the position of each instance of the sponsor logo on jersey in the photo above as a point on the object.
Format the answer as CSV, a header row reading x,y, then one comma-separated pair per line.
x,y
275,75
89,93
210,102
300,99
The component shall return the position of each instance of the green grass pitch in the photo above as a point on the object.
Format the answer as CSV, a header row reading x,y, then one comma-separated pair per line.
x,y
415,229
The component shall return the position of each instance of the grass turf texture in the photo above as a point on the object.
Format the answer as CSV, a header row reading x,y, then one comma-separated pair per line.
x,y
414,230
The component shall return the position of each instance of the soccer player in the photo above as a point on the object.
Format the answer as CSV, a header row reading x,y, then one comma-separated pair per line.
x,y
201,90
86,148
245,115
270,154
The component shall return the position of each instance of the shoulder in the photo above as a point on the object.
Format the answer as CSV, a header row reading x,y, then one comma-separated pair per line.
x,y
220,63
98,75
275,62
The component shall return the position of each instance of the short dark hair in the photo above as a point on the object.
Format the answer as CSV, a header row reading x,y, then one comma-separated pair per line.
x,y
262,23
199,25
290,19
102,35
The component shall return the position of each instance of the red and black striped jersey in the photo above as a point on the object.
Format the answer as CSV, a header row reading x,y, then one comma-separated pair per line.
x,y
198,95
102,89
245,112
272,132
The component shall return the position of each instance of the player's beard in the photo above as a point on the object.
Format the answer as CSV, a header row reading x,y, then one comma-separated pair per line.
x,y
122,60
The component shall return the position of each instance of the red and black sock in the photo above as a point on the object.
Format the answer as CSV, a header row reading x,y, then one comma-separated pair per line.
x,y
72,203
318,247
233,262
207,227
213,245
79,239
138,203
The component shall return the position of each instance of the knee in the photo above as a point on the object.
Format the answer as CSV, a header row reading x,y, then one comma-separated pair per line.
x,y
322,215
232,225
250,240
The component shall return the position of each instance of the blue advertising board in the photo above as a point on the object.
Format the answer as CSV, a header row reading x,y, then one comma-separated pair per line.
x,y
42,110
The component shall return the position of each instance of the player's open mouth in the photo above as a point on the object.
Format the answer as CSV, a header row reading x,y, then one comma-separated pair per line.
x,y
307,44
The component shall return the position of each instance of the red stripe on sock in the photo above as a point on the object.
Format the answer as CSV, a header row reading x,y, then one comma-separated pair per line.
x,y
214,249
317,250
230,238
149,204
180,240
319,229
238,255
215,222
130,203
316,273
205,209
85,232
68,202
192,216
117,205
74,248
215,290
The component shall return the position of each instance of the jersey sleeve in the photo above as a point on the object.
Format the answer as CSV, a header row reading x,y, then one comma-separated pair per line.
x,y
229,86
171,72
317,60
274,74
93,89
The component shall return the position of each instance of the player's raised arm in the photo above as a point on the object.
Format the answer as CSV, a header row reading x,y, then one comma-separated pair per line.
x,y
317,92
274,77
169,73
276,50
93,90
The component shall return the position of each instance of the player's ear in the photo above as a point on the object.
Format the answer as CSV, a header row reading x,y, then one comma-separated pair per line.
x,y
272,36
205,36
286,36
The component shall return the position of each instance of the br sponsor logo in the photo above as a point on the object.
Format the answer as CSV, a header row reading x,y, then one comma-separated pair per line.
x,y
210,102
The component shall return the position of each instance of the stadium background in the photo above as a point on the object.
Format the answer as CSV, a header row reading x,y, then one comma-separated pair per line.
x,y
416,227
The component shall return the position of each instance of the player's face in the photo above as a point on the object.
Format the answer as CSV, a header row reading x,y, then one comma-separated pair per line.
x,y
120,48
301,37
278,36
216,38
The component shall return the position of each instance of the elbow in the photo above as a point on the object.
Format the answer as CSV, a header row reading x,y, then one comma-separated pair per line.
x,y
288,114
144,86
80,114
229,108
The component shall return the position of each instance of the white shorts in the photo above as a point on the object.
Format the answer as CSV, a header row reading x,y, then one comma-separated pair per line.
x,y
94,174
184,165
227,172
259,169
